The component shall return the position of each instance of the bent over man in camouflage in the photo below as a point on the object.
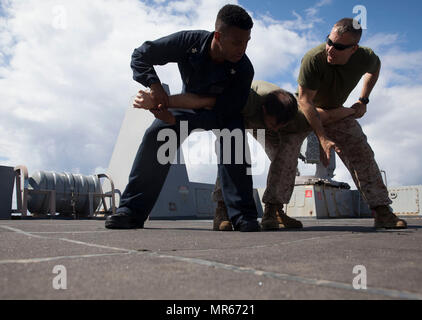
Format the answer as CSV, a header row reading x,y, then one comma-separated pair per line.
x,y
327,76
276,111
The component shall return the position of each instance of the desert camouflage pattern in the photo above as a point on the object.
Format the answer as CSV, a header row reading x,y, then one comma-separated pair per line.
x,y
283,151
359,159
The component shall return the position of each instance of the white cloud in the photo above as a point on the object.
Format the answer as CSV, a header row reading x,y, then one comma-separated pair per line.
x,y
68,82
274,49
395,133
182,6
65,80
392,123
381,40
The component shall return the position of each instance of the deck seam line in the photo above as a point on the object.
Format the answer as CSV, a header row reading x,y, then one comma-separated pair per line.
x,y
67,240
268,274
286,277
47,259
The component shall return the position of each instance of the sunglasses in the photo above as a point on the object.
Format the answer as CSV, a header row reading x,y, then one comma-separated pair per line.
x,y
338,46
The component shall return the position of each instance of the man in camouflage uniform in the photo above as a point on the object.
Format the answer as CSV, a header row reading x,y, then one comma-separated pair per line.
x,y
283,139
327,76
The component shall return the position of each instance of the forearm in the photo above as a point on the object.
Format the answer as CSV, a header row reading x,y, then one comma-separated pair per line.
x,y
306,98
191,101
369,83
334,115
313,117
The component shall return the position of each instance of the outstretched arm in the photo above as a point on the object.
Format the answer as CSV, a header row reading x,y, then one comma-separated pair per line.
x,y
311,114
144,100
334,115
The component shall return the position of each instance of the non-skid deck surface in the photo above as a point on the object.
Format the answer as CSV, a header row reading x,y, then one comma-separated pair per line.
x,y
178,260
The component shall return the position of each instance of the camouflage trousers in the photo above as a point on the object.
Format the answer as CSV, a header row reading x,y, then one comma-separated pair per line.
x,y
359,159
283,151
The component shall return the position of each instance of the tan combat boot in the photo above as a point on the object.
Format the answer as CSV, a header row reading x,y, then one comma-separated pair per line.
x,y
269,219
385,219
221,218
286,222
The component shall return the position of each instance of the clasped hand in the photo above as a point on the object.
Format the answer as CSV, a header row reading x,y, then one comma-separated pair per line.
x,y
144,101
360,109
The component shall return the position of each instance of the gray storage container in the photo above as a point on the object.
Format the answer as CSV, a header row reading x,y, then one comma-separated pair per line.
x,y
7,179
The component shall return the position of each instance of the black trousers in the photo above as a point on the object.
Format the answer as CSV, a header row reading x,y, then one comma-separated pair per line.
x,y
148,175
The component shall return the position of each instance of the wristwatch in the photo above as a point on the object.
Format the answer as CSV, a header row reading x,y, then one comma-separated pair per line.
x,y
364,100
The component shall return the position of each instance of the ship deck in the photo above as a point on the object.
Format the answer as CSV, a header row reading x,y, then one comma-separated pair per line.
x,y
185,260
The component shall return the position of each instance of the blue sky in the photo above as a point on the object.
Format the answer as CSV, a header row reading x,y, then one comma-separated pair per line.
x,y
65,80
389,16
399,18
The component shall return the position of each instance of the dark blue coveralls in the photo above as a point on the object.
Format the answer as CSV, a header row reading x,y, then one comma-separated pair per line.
x,y
229,82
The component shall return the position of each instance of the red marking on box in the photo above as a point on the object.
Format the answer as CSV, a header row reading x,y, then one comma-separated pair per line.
x,y
308,194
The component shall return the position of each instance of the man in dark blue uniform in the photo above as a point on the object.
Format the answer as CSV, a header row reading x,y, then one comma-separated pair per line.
x,y
210,63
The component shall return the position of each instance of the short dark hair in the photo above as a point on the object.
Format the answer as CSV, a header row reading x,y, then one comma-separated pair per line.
x,y
281,104
349,25
233,16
